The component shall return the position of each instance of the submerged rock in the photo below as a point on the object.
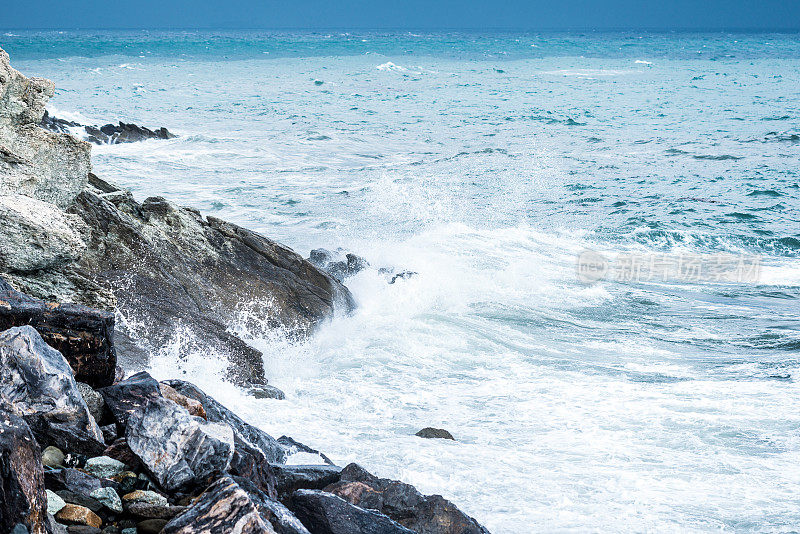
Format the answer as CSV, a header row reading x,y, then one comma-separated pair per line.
x,y
434,433
37,382
105,135
179,449
84,336
324,513
22,493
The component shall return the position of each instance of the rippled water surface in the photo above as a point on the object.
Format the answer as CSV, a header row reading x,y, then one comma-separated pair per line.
x,y
486,164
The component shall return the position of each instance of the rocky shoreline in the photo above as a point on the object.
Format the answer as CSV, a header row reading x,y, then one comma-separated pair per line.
x,y
84,449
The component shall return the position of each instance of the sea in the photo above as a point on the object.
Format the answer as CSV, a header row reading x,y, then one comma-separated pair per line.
x,y
604,231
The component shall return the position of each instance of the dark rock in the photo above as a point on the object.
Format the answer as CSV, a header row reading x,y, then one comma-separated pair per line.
x,y
324,513
81,500
225,508
84,336
129,395
83,529
402,502
402,276
109,434
292,446
37,381
119,450
338,268
290,478
107,134
168,265
177,448
266,392
434,433
154,511
75,481
22,495
94,401
150,526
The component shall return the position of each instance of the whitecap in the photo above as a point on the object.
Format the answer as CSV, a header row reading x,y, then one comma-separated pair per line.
x,y
391,66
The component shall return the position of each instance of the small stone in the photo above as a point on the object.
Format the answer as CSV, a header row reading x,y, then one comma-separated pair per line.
x,y
104,467
78,515
131,530
53,457
94,401
194,406
150,497
111,529
151,526
108,498
54,503
434,433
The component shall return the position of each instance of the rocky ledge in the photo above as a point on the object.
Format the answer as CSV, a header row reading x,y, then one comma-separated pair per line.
x,y
83,449
109,134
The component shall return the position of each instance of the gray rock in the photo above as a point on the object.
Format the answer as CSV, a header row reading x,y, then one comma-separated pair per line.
x,y
225,508
54,503
108,498
52,457
37,381
36,235
145,497
84,501
266,392
104,467
22,492
254,448
33,162
130,395
324,513
179,449
278,515
290,478
73,480
169,265
434,433
94,401
154,511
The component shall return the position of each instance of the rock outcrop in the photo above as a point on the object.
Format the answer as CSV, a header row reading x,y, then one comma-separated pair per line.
x,y
325,513
47,166
105,135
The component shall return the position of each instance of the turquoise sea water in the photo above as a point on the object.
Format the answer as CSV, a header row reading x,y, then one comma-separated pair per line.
x,y
487,163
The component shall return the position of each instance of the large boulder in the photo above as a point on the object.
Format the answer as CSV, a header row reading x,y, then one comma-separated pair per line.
x,y
180,450
225,508
290,478
44,165
324,513
22,492
168,265
424,514
130,395
37,383
84,336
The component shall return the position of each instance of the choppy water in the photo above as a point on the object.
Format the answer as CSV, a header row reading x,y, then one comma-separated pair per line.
x,y
487,163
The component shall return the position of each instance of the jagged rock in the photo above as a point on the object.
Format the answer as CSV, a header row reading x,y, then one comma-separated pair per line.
x,y
94,401
22,492
434,433
266,392
104,467
110,433
281,519
130,395
108,134
108,498
37,381
254,448
402,502
293,446
34,162
290,478
169,265
179,449
36,235
72,514
324,513
84,336
338,266
225,508
52,457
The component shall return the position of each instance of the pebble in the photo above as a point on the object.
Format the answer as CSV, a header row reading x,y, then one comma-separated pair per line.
x,y
52,457
54,503
104,467
109,498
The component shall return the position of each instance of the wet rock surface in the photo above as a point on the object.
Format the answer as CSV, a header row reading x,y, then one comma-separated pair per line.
x,y
325,513
434,433
108,134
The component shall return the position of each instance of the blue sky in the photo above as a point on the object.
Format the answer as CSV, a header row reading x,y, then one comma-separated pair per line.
x,y
410,14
